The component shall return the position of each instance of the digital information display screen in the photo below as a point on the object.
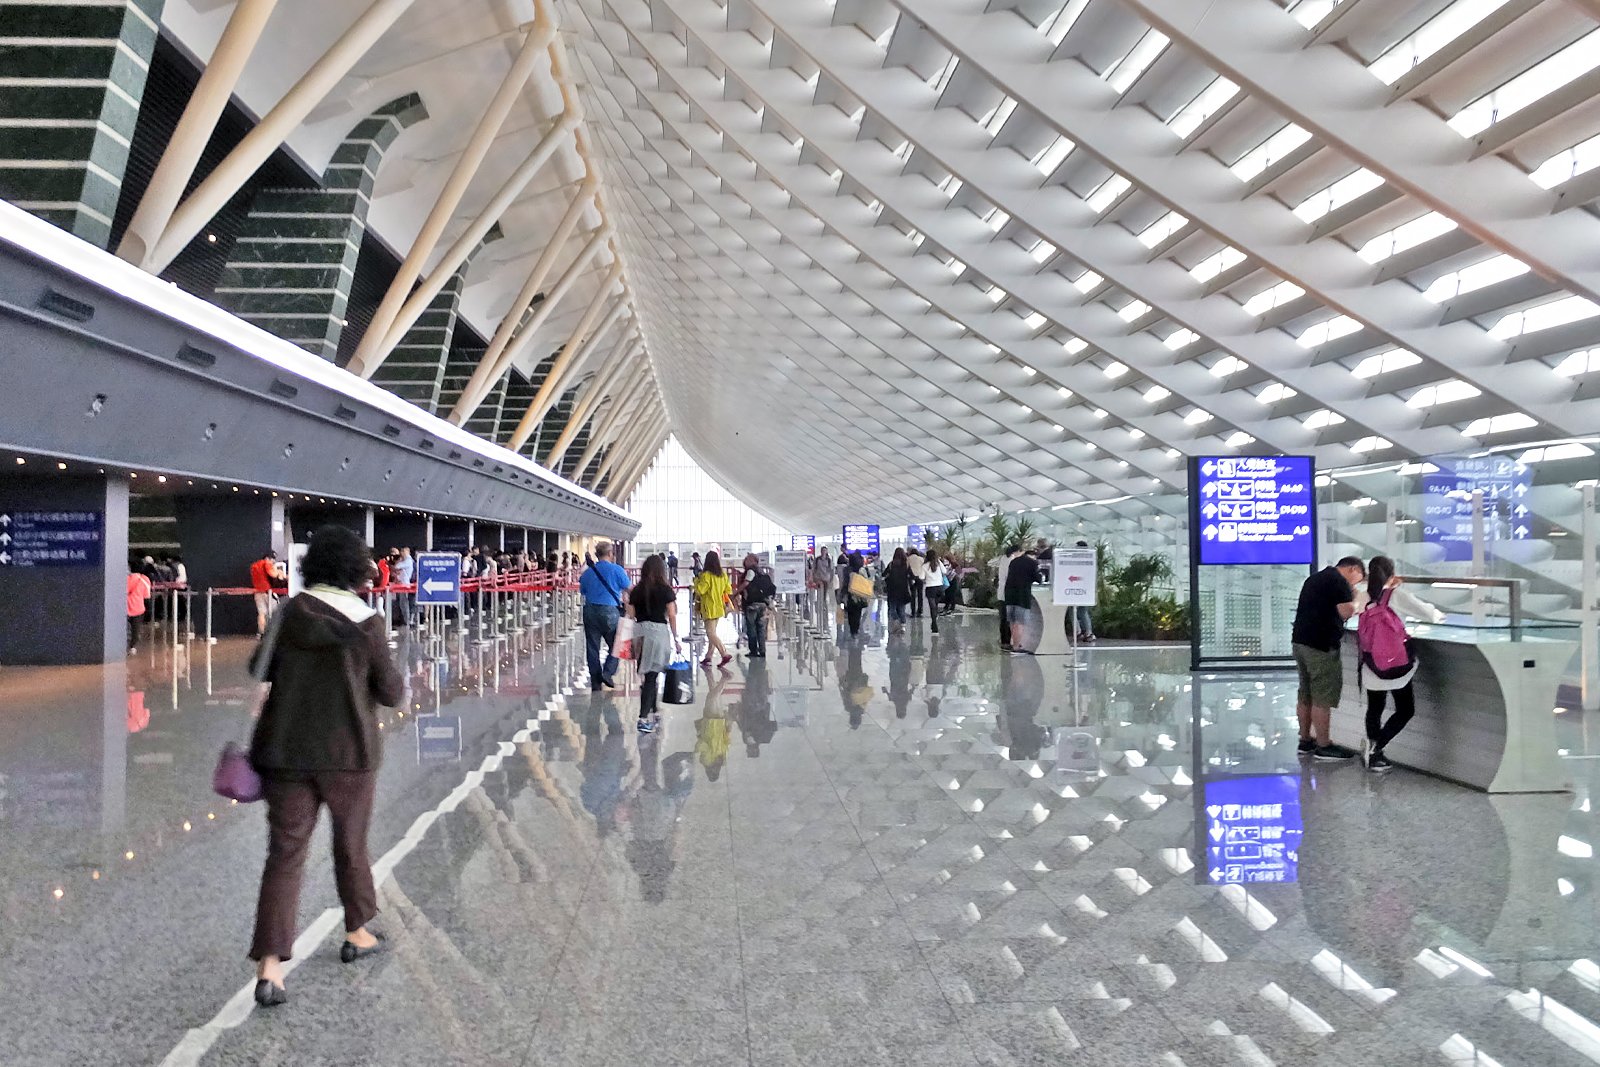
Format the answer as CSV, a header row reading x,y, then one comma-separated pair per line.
x,y
862,539
1254,509
803,542
1252,829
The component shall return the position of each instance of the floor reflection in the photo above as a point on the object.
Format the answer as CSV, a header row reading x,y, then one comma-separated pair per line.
x,y
896,849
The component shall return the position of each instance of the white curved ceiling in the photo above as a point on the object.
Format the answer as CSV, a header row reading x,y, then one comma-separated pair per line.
x,y
898,258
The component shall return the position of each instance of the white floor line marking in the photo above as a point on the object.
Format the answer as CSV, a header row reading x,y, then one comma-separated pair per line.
x,y
198,1041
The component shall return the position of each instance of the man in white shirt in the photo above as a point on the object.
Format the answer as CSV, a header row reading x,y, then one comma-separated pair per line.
x,y
919,575
1001,565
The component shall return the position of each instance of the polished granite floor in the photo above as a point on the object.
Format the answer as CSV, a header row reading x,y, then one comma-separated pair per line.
x,y
896,850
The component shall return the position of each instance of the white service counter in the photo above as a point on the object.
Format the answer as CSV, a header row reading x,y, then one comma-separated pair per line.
x,y
1484,700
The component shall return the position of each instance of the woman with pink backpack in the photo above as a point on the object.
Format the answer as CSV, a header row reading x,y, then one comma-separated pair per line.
x,y
1388,663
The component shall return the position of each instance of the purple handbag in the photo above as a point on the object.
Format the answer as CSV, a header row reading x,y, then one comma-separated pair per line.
x,y
234,778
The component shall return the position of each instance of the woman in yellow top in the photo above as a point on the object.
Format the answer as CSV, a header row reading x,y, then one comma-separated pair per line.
x,y
711,592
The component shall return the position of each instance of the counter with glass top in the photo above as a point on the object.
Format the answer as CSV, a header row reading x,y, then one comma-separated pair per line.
x,y
1485,690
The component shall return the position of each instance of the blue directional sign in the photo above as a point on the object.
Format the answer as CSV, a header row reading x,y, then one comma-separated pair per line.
x,y
862,539
52,538
1252,829
438,738
1253,509
1447,502
802,542
438,578
915,538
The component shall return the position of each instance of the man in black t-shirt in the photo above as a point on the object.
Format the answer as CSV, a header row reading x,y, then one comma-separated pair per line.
x,y
758,590
1020,579
1327,600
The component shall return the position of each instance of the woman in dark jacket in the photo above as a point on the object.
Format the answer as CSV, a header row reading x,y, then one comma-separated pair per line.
x,y
897,589
854,605
317,743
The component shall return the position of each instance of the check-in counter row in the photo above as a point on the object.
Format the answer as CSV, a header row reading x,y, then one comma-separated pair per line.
x,y
1484,697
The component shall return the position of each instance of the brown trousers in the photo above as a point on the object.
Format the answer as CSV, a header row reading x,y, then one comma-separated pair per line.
x,y
293,802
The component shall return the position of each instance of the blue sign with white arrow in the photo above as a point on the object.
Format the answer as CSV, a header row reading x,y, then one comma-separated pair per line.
x,y
1252,829
1254,509
438,578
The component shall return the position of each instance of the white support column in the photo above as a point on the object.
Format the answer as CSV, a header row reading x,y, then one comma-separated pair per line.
x,y
629,478
578,352
592,391
194,130
455,187
626,451
622,448
545,398
490,370
478,384
628,400
463,246
258,145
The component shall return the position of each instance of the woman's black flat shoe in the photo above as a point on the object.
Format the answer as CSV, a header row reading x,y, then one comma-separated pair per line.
x,y
349,953
269,995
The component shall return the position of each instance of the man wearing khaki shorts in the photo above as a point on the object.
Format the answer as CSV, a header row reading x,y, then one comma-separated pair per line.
x,y
1327,600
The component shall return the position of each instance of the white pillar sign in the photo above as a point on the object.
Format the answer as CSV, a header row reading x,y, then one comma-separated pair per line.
x,y
1074,577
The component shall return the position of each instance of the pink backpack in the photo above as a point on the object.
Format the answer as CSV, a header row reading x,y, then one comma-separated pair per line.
x,y
1381,636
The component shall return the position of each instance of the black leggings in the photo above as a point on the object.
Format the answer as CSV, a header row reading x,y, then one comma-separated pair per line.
x,y
852,613
647,693
935,597
1405,706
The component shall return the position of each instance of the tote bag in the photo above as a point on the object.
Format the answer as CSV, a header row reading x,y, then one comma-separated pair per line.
x,y
677,683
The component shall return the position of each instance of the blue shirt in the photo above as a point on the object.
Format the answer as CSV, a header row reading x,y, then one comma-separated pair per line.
x,y
603,584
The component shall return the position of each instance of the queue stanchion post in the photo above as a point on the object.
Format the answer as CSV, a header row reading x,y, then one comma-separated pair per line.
x,y
211,599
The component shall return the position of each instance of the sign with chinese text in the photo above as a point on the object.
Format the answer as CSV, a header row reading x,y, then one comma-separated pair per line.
x,y
1447,502
1253,509
1252,829
862,539
438,578
52,538
803,542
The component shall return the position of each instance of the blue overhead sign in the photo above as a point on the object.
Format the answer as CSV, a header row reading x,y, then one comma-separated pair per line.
x,y
802,542
1447,502
52,538
1253,509
438,578
862,539
1252,829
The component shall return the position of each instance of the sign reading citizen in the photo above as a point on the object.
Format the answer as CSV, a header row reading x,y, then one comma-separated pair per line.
x,y
862,539
1253,509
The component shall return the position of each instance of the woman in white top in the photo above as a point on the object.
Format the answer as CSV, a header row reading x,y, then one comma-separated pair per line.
x,y
1382,579
934,579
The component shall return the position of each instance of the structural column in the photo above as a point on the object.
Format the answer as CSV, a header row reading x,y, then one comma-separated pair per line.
x,y
73,75
417,367
63,569
293,263
221,536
